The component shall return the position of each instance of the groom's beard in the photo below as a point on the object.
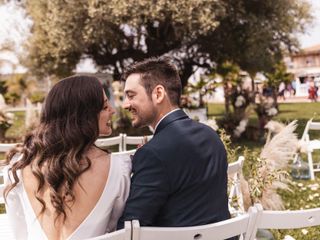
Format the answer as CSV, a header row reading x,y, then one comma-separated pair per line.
x,y
142,118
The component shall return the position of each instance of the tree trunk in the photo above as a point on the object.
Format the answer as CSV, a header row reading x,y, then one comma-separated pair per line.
x,y
275,97
226,98
201,102
2,134
186,72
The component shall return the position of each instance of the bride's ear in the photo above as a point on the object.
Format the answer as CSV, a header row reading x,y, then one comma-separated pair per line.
x,y
158,94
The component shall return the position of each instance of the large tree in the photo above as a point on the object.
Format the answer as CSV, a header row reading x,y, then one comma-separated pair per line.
x,y
255,34
250,33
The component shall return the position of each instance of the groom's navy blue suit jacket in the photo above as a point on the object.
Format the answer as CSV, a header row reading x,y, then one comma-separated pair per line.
x,y
179,176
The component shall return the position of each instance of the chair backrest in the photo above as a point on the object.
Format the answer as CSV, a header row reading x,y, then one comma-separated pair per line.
x,y
111,141
125,153
5,147
218,231
314,126
123,234
236,167
309,145
293,219
306,130
236,205
134,140
310,126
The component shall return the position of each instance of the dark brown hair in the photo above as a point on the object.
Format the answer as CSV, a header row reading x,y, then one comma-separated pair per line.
x,y
157,71
56,149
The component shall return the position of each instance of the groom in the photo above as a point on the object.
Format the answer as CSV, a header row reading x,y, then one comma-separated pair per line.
x,y
180,175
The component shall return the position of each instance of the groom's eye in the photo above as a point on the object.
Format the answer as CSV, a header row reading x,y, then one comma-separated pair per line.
x,y
130,95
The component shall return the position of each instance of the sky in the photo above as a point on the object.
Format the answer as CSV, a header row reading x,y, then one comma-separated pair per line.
x,y
312,36
14,26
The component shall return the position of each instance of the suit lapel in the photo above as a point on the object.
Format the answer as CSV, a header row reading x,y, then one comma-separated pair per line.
x,y
176,115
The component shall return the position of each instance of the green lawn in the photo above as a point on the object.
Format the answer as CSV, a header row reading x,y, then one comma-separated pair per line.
x,y
288,112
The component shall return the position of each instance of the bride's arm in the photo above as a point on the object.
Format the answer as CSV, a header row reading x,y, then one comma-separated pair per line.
x,y
15,211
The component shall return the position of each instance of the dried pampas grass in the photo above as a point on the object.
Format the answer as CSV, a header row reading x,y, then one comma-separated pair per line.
x,y
282,147
268,172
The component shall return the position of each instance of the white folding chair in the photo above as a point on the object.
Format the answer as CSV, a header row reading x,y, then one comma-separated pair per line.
x,y
111,141
5,147
221,230
134,140
124,153
123,234
267,219
311,145
236,205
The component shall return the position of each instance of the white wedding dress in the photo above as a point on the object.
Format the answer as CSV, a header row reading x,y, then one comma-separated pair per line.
x,y
103,217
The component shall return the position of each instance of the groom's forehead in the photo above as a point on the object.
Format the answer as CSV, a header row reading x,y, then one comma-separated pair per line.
x,y
133,82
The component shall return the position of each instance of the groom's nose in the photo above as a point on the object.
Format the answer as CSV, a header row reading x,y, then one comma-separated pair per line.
x,y
125,104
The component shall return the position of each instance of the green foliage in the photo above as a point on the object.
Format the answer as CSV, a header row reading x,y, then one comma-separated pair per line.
x,y
37,97
229,72
6,120
261,175
17,130
12,98
203,86
278,75
116,33
3,87
18,86
232,152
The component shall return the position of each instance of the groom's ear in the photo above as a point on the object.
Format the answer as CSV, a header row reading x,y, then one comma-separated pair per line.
x,y
158,94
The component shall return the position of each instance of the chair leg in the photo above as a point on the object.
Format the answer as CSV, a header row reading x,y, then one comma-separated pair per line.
x,y
239,197
310,162
295,159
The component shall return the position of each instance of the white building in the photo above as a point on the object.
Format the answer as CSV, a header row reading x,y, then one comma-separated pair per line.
x,y
305,66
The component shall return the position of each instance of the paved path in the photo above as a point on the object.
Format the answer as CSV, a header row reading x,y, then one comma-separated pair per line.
x,y
295,99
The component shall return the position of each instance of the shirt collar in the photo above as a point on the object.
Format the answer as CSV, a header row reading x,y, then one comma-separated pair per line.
x,y
153,130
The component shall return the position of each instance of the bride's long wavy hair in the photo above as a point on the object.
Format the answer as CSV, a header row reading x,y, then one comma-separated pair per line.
x,y
56,149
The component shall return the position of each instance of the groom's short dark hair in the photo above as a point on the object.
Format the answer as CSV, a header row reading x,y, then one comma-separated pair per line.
x,y
157,71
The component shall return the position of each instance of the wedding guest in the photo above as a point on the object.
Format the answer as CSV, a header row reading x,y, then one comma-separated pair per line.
x,y
59,184
313,91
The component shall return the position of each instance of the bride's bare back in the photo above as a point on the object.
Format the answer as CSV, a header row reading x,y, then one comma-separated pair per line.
x,y
87,190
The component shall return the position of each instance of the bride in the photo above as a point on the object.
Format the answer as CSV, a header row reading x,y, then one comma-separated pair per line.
x,y
59,184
